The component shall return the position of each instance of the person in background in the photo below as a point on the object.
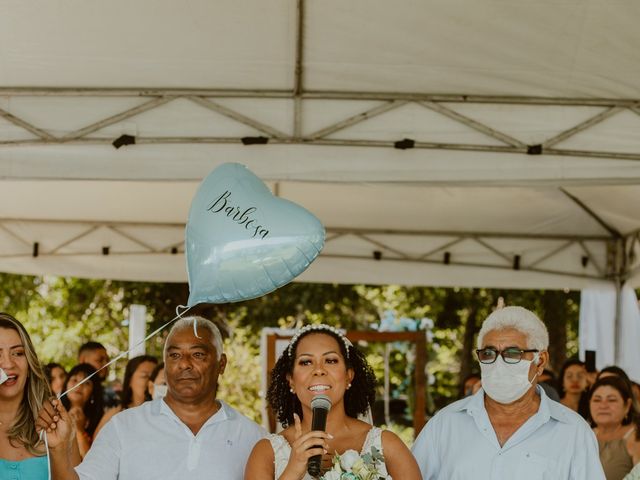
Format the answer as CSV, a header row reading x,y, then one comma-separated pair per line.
x,y
619,372
21,397
466,387
188,434
134,386
548,382
157,385
636,392
56,375
549,377
574,387
96,355
510,428
84,403
616,425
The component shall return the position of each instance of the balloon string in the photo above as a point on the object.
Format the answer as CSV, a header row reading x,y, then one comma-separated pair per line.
x,y
195,328
152,334
43,433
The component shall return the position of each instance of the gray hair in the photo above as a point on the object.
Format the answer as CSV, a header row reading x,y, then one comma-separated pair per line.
x,y
519,319
196,322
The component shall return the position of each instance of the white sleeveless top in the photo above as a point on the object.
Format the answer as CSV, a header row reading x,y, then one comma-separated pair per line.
x,y
282,451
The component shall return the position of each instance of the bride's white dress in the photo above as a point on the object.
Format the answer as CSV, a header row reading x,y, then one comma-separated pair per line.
x,y
282,450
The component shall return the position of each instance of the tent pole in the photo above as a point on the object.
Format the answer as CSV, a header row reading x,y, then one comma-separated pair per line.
x,y
617,320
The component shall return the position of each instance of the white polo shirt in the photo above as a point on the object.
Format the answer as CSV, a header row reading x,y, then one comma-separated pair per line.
x,y
150,442
459,443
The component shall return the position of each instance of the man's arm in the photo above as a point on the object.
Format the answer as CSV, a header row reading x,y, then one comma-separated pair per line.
x,y
586,459
424,451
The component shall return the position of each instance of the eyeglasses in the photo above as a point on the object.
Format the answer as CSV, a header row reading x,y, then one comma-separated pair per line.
x,y
509,355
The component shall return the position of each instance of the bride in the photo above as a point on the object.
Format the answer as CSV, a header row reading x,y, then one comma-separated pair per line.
x,y
320,360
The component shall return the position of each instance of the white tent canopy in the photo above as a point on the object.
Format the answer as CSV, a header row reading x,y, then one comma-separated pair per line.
x,y
518,162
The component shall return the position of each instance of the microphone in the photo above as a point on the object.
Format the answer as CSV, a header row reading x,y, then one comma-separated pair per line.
x,y
321,404
4,377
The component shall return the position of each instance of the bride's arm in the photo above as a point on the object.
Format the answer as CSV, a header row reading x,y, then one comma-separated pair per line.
x,y
398,458
260,465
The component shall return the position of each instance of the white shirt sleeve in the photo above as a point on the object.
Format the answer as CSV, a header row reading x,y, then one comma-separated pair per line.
x,y
586,462
425,451
102,461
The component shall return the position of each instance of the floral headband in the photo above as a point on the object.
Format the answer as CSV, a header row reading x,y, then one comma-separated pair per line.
x,y
319,328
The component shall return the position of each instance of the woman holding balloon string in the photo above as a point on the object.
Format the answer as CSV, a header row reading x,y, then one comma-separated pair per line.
x,y
321,360
22,393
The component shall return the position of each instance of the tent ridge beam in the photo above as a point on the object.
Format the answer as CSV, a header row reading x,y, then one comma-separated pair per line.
x,y
355,119
475,125
590,122
237,116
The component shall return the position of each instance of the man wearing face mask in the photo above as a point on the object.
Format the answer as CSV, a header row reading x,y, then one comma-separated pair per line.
x,y
509,428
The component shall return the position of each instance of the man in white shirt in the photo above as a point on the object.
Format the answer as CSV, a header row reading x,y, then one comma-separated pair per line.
x,y
509,428
187,434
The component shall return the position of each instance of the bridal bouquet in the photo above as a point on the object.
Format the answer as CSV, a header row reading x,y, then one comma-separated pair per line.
x,y
352,466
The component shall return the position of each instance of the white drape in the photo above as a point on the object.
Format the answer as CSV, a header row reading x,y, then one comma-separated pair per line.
x,y
597,328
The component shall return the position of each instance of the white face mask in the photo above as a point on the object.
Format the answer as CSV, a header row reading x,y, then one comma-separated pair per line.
x,y
507,382
159,391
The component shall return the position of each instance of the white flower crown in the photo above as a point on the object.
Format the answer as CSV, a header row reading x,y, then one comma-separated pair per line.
x,y
319,328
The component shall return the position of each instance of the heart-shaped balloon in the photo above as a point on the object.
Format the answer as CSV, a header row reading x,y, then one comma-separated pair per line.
x,y
241,241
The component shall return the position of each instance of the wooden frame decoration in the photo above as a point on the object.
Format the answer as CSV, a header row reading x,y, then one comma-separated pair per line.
x,y
417,338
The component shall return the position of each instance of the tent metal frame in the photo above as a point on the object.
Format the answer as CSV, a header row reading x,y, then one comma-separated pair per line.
x,y
381,250
390,101
620,248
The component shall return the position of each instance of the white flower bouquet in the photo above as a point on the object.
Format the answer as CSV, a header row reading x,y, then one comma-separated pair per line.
x,y
352,466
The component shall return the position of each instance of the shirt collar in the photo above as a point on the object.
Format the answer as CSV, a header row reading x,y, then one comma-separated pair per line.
x,y
160,407
548,408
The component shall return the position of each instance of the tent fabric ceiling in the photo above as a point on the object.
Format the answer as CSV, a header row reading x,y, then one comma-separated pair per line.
x,y
523,118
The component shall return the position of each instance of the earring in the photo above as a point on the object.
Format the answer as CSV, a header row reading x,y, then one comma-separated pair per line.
x,y
348,386
292,390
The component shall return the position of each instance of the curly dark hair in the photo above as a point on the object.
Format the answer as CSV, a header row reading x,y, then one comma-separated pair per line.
x,y
357,399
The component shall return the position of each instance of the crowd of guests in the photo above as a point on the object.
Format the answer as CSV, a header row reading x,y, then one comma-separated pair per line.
x,y
170,423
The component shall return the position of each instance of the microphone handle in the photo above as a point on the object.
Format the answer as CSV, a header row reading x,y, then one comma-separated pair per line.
x,y
318,422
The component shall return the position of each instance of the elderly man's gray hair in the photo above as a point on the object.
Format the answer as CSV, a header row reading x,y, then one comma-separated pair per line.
x,y
519,319
187,322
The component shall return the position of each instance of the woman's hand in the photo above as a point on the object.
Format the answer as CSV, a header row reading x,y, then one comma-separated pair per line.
x,y
54,419
304,447
79,418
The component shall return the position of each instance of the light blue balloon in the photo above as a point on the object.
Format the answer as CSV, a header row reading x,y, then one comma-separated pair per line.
x,y
241,241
